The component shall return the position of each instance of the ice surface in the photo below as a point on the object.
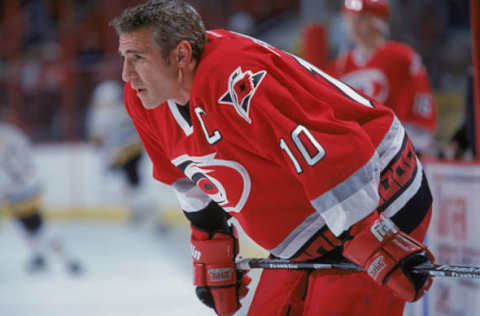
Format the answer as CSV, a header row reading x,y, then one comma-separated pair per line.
x,y
128,272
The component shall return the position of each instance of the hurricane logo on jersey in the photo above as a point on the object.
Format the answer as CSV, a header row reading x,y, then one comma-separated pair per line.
x,y
226,182
241,88
372,82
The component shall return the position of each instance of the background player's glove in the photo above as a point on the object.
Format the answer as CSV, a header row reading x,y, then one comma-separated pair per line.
x,y
219,284
388,255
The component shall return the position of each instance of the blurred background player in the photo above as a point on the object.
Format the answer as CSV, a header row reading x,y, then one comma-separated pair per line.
x,y
20,196
110,129
389,71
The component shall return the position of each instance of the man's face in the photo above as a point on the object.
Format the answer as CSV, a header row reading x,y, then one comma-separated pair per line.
x,y
145,68
359,27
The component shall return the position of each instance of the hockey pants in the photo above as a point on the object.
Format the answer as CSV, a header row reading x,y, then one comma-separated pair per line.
x,y
327,292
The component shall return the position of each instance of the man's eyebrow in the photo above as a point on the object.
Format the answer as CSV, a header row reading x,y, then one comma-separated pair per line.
x,y
132,51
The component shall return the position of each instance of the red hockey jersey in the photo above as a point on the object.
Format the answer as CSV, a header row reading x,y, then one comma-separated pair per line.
x,y
393,75
280,145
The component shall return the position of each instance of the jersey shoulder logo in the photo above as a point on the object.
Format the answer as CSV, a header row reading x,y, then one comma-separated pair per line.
x,y
241,88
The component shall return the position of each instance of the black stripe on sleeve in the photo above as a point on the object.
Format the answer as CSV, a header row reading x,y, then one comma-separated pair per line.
x,y
413,213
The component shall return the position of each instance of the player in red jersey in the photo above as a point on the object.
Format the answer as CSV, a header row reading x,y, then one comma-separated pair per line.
x,y
308,167
389,71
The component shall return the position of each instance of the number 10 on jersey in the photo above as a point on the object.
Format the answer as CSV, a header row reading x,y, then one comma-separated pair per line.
x,y
311,158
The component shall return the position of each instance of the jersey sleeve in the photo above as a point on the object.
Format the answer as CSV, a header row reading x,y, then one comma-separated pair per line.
x,y
280,118
163,170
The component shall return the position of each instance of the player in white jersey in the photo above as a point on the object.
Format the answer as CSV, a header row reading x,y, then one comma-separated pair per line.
x,y
20,196
110,129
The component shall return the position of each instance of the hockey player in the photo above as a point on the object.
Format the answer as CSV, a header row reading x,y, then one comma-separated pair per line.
x,y
111,130
20,196
389,71
308,167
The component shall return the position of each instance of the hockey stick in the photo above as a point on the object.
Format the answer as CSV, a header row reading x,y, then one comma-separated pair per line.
x,y
435,270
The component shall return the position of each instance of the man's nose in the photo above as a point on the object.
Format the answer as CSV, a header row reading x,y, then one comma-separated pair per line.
x,y
127,70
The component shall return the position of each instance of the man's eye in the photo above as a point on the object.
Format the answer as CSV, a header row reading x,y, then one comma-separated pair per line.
x,y
138,57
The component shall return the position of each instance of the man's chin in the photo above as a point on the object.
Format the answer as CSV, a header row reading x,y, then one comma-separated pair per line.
x,y
149,104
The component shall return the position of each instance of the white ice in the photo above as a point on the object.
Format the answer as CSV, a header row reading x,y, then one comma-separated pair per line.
x,y
128,272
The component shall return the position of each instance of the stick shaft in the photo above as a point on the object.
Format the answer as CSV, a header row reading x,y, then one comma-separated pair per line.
x,y
435,270
449,271
261,263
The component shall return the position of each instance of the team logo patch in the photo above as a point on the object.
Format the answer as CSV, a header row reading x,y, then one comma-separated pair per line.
x,y
210,174
241,88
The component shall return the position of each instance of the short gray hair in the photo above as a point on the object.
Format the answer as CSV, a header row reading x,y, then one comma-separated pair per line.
x,y
171,21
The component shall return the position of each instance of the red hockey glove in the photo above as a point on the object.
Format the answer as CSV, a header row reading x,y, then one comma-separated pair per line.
x,y
219,285
388,255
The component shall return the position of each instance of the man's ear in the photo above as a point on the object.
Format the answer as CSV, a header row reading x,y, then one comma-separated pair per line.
x,y
182,54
